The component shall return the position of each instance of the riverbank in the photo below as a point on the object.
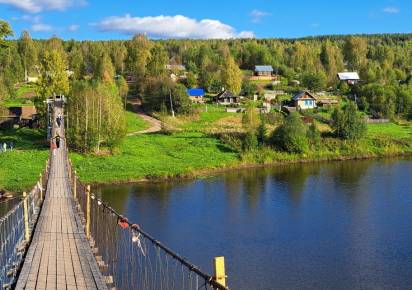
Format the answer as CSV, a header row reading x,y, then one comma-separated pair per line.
x,y
203,173
190,155
185,155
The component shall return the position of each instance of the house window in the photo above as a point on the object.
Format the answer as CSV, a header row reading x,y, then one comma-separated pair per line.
x,y
308,103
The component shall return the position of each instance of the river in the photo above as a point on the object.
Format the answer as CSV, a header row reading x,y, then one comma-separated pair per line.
x,y
341,225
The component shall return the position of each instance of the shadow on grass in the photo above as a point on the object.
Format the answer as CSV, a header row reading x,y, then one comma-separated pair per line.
x,y
24,138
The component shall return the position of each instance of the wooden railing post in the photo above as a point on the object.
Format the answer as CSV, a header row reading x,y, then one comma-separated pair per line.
x,y
26,217
41,186
88,212
75,185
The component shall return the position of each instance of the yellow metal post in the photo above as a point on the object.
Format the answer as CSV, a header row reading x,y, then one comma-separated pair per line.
x,y
220,273
26,217
88,212
75,185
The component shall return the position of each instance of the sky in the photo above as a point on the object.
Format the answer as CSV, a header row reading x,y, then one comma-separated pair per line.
x,y
163,19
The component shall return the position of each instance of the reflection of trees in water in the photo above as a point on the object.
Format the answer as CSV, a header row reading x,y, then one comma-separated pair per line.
x,y
347,176
293,177
249,182
116,196
349,172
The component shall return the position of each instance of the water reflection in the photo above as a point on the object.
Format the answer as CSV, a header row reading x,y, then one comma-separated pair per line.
x,y
337,225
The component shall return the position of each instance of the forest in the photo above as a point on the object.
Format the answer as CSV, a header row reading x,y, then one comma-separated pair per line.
x,y
94,74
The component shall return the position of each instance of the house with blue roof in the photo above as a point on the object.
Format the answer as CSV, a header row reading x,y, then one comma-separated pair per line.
x,y
263,70
196,95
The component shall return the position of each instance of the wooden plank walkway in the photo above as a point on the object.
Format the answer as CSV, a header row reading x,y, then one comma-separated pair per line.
x,y
59,256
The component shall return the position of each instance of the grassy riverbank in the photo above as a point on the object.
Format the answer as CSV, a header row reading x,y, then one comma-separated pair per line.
x,y
190,151
156,155
193,153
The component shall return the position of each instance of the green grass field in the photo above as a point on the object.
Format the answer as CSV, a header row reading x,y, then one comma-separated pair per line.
x,y
390,130
135,123
20,168
155,155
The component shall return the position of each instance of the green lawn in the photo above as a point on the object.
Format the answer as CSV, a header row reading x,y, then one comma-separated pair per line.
x,y
18,102
135,123
205,120
390,130
156,155
21,167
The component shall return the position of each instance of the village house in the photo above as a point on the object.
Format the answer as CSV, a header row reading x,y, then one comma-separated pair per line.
x,y
196,95
226,98
263,70
177,71
304,100
24,116
272,95
175,67
350,77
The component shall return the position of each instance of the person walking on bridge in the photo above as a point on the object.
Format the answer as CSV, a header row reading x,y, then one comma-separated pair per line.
x,y
56,140
59,120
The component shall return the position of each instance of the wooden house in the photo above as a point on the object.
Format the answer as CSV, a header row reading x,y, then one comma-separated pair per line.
x,y
227,98
263,70
24,116
196,95
350,77
304,100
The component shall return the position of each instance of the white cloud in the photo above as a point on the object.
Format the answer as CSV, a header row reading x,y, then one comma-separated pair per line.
x,y
36,6
178,26
257,15
41,27
391,10
73,27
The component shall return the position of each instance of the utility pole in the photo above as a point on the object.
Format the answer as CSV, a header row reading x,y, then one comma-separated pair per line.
x,y
171,103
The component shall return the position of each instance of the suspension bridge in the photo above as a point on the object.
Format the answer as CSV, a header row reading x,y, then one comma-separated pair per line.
x,y
62,236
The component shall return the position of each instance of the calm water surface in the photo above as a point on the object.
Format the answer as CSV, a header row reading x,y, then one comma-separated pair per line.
x,y
341,225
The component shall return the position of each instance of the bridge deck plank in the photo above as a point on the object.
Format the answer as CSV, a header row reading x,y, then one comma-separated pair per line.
x,y
59,256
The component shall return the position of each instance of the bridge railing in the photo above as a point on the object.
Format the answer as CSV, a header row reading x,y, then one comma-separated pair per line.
x,y
16,228
130,258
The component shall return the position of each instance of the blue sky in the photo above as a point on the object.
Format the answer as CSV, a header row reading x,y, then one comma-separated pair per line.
x,y
120,19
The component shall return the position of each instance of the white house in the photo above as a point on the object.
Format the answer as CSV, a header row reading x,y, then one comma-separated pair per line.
x,y
304,100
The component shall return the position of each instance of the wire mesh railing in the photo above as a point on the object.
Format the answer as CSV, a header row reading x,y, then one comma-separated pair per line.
x,y
129,257
16,228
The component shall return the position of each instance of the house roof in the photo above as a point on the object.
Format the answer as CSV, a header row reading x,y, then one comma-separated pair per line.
x,y
348,76
263,68
175,67
196,92
224,95
301,94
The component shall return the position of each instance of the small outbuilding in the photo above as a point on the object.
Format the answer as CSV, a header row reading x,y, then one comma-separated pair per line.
x,y
350,77
304,100
196,95
227,98
263,70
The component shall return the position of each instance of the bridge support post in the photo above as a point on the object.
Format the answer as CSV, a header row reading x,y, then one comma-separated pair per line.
x,y
220,273
75,185
88,212
26,217
41,186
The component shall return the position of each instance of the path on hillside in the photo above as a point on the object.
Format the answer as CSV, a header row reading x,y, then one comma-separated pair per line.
x,y
155,124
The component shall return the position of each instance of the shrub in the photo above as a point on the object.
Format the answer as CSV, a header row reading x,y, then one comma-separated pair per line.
x,y
291,136
348,123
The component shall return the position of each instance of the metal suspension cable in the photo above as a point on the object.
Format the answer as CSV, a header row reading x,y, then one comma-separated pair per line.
x,y
183,261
